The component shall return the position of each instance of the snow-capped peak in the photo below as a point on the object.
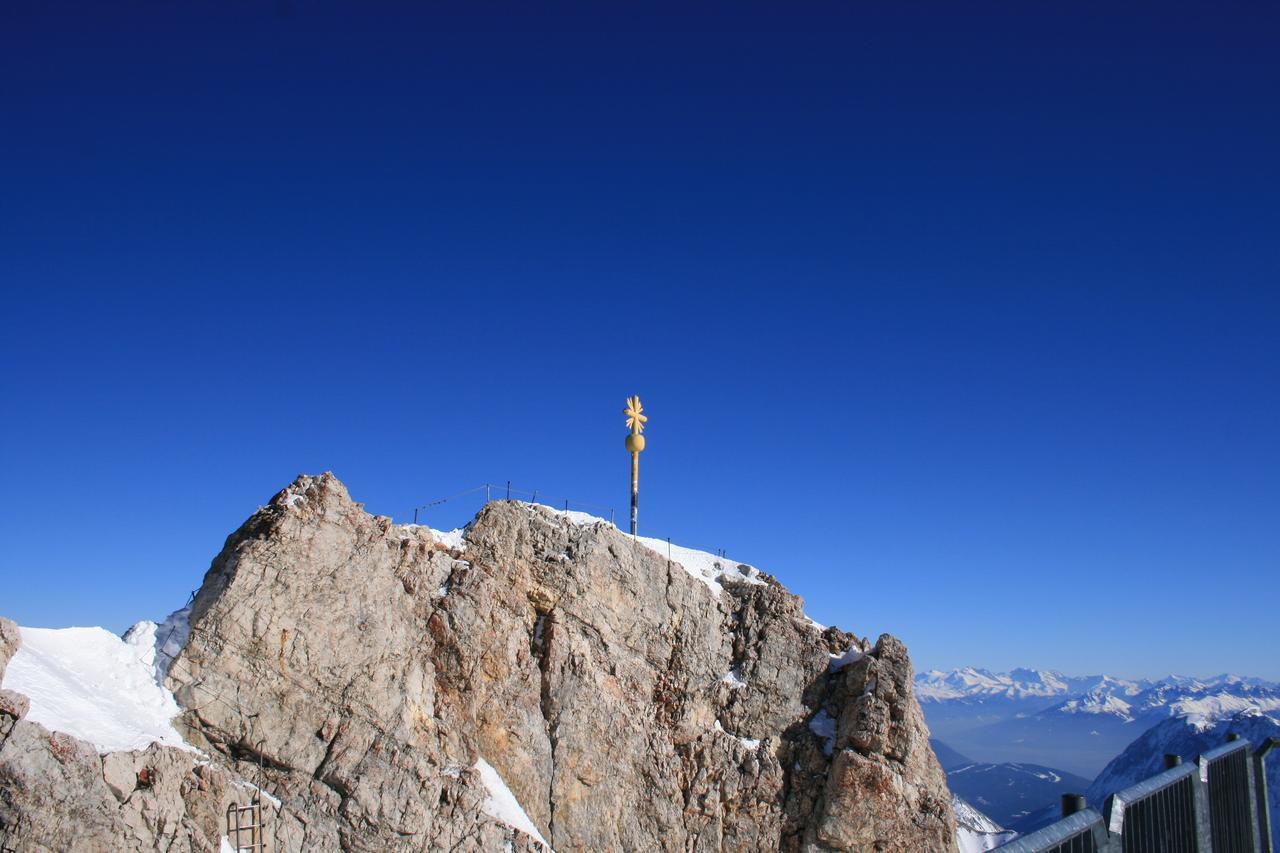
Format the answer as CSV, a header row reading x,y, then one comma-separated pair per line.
x,y
1021,683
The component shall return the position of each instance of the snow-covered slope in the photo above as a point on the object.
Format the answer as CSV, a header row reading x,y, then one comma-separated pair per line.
x,y
975,832
93,685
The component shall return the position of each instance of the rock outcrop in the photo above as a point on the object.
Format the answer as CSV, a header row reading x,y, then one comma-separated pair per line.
x,y
363,673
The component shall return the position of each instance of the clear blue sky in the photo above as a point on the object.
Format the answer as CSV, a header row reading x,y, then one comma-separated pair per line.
x,y
963,320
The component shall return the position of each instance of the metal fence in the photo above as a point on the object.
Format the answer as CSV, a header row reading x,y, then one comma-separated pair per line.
x,y
1233,818
498,491
470,501
1216,805
1163,813
1082,832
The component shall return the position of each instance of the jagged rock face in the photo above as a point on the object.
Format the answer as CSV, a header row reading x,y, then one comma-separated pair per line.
x,y
13,706
358,669
9,641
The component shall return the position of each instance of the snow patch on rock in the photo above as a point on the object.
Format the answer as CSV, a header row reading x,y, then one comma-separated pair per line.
x,y
502,805
840,661
95,686
824,726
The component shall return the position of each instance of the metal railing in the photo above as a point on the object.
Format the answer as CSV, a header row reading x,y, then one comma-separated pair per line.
x,y
1163,813
1081,832
1233,818
1216,805
471,500
498,491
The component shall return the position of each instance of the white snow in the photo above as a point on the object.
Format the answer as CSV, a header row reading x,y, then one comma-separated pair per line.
x,y
840,661
502,804
573,516
824,726
969,681
95,686
1098,701
275,801
975,832
706,568
158,645
702,566
733,678
455,539
1222,705
225,846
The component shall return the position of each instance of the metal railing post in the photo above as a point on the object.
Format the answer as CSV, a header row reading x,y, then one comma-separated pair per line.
x,y
1072,803
1257,808
1260,788
1204,837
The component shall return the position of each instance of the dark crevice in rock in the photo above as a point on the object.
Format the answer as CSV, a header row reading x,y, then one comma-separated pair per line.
x,y
543,636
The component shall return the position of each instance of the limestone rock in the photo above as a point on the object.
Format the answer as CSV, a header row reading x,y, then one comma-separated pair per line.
x,y
10,639
358,670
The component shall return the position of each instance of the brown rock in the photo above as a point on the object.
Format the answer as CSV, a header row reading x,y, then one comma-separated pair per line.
x,y
358,669
10,639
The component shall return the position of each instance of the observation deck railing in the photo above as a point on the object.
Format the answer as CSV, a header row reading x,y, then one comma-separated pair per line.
x,y
1216,805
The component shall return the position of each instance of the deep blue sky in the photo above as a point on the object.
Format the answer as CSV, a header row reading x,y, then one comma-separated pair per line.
x,y
963,320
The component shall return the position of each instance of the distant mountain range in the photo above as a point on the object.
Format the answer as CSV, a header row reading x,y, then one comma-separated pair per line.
x,y
1079,723
1026,723
980,685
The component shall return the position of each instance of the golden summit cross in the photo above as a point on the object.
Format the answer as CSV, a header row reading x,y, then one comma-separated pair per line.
x,y
636,419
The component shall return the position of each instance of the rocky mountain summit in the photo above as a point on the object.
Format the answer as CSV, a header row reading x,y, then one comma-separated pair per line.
x,y
542,681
